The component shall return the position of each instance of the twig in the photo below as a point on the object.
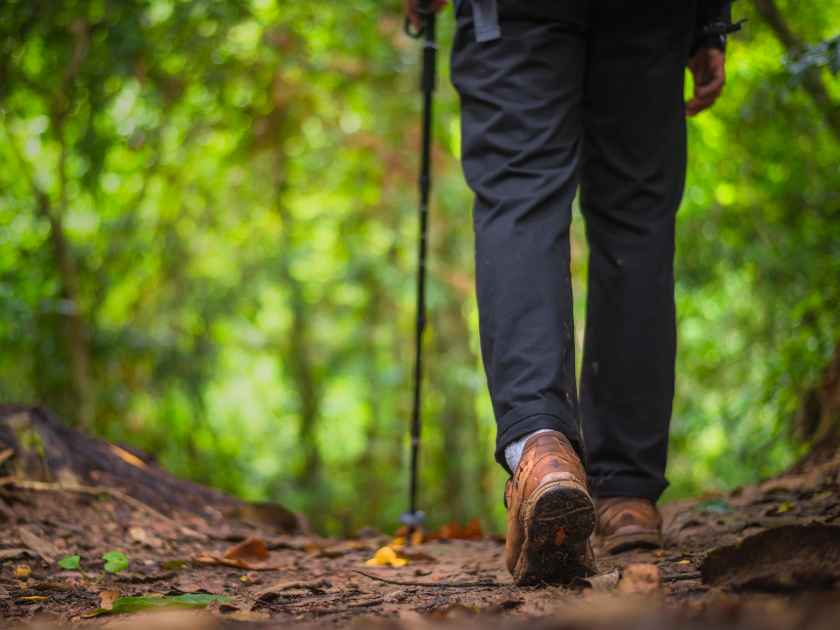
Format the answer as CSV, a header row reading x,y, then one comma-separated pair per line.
x,y
676,577
479,584
27,484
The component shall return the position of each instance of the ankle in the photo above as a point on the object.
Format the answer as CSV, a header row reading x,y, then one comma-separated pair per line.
x,y
514,450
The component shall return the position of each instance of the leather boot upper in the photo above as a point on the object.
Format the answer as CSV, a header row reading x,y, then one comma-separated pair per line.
x,y
546,457
624,516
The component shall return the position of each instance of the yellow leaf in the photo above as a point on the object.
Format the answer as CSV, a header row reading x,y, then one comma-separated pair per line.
x,y
23,571
128,458
386,556
397,543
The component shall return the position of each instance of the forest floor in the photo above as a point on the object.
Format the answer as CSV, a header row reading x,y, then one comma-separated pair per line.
x,y
765,556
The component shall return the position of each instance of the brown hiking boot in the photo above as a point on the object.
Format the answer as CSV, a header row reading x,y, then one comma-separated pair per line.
x,y
550,514
627,523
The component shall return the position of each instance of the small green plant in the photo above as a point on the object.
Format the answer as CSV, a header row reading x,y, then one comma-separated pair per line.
x,y
115,561
69,563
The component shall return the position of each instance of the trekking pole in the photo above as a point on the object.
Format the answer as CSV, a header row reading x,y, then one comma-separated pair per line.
x,y
414,518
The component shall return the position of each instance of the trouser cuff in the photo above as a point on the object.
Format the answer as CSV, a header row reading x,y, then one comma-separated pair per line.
x,y
533,416
627,486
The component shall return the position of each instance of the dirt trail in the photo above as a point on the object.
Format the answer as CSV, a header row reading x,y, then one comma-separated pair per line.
x,y
763,556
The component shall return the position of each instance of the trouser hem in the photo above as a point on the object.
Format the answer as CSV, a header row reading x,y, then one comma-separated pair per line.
x,y
627,486
533,416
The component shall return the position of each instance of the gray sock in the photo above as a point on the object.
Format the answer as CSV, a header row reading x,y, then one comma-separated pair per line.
x,y
513,451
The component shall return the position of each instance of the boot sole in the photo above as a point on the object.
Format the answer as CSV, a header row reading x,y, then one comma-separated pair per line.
x,y
559,518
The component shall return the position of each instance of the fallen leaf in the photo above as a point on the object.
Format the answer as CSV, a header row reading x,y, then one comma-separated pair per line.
x,y
115,561
23,571
138,534
781,508
128,458
138,603
33,598
207,558
107,599
454,531
313,586
69,563
42,547
640,578
386,556
250,549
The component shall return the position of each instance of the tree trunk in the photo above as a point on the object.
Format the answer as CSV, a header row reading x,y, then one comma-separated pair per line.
x,y
297,356
75,333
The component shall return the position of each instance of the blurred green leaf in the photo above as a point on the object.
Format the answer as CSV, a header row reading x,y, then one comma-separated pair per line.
x,y
115,561
69,563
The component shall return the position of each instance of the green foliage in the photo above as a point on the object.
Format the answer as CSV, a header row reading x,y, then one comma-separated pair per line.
x,y
69,563
115,561
207,249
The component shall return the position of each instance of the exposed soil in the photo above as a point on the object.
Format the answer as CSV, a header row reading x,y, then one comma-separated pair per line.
x,y
765,556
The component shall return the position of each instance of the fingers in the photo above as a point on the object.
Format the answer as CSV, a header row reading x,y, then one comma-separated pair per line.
x,y
708,68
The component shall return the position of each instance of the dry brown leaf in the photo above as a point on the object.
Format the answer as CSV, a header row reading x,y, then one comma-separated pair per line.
x,y
107,599
313,586
140,535
250,549
43,548
640,578
207,558
454,531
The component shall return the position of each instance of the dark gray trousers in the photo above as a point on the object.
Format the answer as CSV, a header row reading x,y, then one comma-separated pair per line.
x,y
589,95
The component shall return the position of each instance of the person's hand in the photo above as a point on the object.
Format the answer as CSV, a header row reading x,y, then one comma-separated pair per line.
x,y
708,67
411,10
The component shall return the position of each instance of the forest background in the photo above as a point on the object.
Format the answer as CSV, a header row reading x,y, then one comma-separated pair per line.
x,y
208,239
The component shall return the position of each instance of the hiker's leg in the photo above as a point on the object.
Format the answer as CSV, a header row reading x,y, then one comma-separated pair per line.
x,y
521,127
632,176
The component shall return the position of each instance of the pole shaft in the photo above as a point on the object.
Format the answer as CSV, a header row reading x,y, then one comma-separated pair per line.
x,y
427,86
